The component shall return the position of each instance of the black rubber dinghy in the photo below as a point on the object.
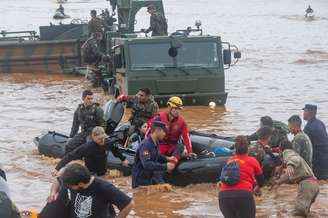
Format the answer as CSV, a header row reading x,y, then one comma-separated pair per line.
x,y
203,169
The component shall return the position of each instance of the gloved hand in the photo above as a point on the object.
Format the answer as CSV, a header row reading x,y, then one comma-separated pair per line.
x,y
121,98
143,30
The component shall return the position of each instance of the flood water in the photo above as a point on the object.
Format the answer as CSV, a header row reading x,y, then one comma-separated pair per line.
x,y
284,65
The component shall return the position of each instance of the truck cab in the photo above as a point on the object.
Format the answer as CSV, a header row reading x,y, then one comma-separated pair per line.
x,y
191,67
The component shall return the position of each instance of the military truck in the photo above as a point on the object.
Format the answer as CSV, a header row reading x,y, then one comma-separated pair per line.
x,y
185,63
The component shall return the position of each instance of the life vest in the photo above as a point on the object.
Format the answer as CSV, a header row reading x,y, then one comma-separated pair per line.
x,y
174,128
87,116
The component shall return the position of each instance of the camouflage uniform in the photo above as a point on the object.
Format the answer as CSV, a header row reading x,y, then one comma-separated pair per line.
x,y
303,146
280,131
257,151
158,25
141,113
91,51
87,118
92,55
308,187
95,25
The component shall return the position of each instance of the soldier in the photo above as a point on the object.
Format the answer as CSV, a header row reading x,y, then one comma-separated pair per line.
x,y
143,107
61,9
92,55
316,130
257,149
150,165
301,142
95,24
280,131
298,171
158,24
87,115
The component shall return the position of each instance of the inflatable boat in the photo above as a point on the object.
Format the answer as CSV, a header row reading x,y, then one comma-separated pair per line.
x,y
203,169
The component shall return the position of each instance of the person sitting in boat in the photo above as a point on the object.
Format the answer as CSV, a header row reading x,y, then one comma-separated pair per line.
x,y
280,131
61,9
136,138
177,129
150,165
93,56
94,153
143,107
309,10
87,115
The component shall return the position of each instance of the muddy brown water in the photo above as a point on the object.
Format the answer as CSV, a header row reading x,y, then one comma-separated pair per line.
x,y
284,65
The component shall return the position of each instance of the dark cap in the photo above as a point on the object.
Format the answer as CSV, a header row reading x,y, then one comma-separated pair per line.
x,y
310,107
151,7
267,121
159,124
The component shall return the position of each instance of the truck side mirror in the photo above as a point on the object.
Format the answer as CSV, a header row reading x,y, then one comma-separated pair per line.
x,y
237,55
227,56
117,61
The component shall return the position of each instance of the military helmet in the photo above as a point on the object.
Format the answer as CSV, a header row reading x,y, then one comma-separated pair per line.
x,y
175,102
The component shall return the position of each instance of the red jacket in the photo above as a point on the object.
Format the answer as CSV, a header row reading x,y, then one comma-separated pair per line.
x,y
175,129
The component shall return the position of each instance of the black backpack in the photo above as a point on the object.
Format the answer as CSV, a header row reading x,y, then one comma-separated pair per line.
x,y
230,174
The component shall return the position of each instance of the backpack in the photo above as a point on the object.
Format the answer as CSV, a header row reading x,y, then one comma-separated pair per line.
x,y
230,174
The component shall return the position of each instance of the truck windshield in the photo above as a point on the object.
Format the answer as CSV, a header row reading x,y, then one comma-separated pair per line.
x,y
155,55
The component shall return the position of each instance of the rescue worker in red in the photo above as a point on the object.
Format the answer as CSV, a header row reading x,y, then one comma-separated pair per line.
x,y
177,141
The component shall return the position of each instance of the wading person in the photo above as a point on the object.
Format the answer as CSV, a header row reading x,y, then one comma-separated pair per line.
x,y
158,24
261,150
89,196
279,131
316,130
87,116
94,153
258,148
150,165
298,171
301,142
143,107
176,129
238,179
